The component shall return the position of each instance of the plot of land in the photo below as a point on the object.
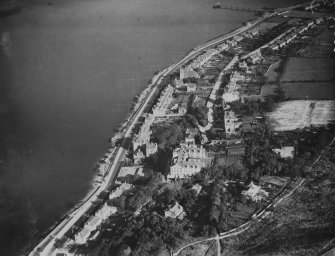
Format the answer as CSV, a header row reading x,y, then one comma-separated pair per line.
x,y
303,14
309,69
269,90
311,91
271,74
298,114
321,46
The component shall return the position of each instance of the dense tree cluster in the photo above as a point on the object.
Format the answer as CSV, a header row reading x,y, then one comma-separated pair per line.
x,y
200,113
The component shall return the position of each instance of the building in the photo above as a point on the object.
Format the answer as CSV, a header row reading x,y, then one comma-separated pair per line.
x,y
236,150
176,212
138,156
197,187
151,149
92,223
191,87
119,190
143,136
256,58
187,72
188,159
82,236
285,152
130,170
105,211
164,102
243,65
223,47
232,123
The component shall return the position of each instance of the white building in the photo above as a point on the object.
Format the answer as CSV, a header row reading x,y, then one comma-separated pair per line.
x,y
92,223
197,187
191,87
151,149
176,212
143,136
188,159
138,156
119,190
285,152
105,211
231,122
187,72
82,236
164,102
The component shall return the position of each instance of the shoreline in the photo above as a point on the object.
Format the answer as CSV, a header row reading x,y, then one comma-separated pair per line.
x,y
93,186
141,98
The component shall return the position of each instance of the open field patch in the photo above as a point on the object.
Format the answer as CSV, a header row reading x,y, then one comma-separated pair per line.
x,y
299,114
310,91
309,69
271,74
303,14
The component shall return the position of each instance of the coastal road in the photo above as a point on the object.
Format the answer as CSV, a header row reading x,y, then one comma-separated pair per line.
x,y
46,246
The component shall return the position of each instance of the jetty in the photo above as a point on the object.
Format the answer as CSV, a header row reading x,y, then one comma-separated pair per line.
x,y
235,8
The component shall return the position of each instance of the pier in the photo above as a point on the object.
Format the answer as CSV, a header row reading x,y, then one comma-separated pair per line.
x,y
235,8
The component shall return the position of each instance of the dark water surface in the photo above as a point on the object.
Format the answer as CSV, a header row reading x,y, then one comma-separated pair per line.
x,y
67,78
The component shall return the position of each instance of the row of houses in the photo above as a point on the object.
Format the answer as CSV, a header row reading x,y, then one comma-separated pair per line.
x,y
292,34
92,224
164,102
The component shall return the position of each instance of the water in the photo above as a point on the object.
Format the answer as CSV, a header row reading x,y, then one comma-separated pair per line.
x,y
73,69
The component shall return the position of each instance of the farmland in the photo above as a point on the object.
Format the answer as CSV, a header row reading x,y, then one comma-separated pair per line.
x,y
308,90
272,74
309,69
298,114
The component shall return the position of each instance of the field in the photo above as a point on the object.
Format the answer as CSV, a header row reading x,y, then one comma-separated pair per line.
x,y
265,26
298,114
311,91
321,46
272,74
303,14
269,90
309,69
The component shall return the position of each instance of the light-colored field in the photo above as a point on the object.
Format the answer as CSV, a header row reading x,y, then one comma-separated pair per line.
x,y
309,69
298,114
310,91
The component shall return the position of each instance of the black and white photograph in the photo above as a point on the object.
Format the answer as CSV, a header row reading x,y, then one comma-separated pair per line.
x,y
167,127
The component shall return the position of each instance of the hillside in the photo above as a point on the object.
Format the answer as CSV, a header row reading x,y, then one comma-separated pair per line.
x,y
303,224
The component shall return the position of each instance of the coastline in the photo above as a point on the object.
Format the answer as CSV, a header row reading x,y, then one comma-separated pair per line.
x,y
94,186
156,78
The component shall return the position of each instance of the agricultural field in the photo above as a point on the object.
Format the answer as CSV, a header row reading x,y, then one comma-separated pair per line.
x,y
321,46
303,14
299,114
271,74
266,26
269,90
310,91
309,69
